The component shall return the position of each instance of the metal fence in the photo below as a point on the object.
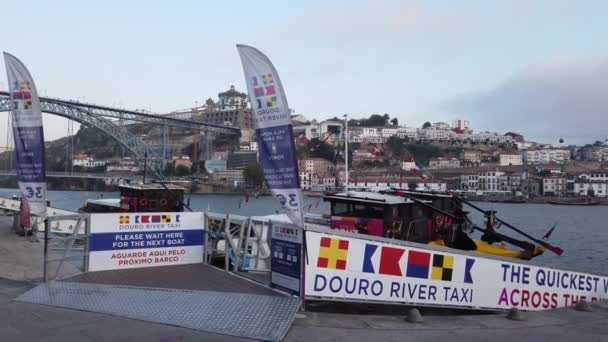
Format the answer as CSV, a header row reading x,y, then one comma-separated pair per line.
x,y
66,254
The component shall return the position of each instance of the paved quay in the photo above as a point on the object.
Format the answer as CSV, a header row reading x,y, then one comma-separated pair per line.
x,y
32,322
22,321
22,260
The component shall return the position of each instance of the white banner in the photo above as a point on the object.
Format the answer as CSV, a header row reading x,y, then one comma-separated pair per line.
x,y
132,240
274,132
28,134
350,268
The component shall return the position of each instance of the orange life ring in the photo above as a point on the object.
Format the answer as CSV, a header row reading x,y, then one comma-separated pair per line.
x,y
163,202
439,220
143,202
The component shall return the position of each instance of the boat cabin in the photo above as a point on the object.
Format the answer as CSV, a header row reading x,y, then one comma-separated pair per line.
x,y
141,198
381,215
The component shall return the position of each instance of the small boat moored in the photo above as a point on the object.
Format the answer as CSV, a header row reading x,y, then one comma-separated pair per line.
x,y
583,202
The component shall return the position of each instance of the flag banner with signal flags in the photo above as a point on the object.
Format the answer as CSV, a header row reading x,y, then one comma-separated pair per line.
x,y
28,134
374,269
274,132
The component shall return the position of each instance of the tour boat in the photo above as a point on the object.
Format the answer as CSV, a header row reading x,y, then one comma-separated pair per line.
x,y
151,197
423,217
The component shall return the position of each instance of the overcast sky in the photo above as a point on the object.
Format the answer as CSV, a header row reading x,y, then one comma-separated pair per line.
x,y
535,67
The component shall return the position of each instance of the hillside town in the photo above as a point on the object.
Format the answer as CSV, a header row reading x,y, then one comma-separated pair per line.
x,y
383,154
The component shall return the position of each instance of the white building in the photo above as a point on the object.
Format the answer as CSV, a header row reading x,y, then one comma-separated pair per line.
x,y
462,125
554,186
408,132
597,189
510,159
380,183
546,156
444,163
437,134
409,165
83,160
441,125
594,176
387,132
469,182
488,180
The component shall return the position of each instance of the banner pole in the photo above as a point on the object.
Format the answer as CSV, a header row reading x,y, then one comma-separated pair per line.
x,y
46,248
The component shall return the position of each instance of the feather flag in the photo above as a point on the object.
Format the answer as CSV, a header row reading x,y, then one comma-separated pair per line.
x,y
28,134
274,131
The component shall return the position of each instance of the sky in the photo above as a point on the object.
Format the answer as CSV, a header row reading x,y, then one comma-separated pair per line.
x,y
539,68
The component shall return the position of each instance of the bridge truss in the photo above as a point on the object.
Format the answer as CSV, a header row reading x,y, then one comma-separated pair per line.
x,y
108,120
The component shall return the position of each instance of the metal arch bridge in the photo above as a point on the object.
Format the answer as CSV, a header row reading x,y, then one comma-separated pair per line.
x,y
100,117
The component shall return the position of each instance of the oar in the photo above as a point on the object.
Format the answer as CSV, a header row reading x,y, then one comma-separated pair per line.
x,y
552,248
427,205
508,239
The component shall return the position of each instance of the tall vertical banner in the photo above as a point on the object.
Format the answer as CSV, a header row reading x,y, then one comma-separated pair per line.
x,y
274,132
28,133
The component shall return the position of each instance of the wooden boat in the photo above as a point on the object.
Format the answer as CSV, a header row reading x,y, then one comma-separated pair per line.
x,y
152,197
585,202
391,215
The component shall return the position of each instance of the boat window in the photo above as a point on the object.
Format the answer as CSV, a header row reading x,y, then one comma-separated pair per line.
x,y
369,211
340,209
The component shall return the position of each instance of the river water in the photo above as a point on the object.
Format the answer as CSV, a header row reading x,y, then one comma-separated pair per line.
x,y
581,231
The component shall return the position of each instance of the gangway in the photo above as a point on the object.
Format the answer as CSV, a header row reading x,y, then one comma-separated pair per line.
x,y
11,207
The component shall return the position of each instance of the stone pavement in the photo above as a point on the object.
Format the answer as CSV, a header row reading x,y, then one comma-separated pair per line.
x,y
31,322
21,259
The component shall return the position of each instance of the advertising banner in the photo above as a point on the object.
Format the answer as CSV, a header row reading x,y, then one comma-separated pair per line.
x,y
351,268
274,132
133,240
286,261
29,136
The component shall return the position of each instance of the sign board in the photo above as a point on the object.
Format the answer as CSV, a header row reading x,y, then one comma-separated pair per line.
x,y
286,261
341,267
133,240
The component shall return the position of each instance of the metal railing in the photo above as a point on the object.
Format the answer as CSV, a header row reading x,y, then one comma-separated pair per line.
x,y
65,245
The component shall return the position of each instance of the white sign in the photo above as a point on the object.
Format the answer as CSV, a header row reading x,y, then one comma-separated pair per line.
x,y
344,267
133,240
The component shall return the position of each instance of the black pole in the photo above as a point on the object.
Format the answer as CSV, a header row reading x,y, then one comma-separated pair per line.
x,y
46,248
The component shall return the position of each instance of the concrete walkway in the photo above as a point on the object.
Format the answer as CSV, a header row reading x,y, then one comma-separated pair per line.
x,y
21,259
31,322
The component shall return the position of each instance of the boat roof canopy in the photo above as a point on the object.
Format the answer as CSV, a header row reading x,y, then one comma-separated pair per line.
x,y
111,202
369,197
153,186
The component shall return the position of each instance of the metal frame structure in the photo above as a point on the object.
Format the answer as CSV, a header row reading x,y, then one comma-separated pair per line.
x,y
65,242
98,117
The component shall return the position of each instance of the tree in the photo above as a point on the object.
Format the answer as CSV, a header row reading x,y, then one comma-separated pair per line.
x,y
375,120
318,149
182,170
395,145
169,170
426,125
252,174
395,122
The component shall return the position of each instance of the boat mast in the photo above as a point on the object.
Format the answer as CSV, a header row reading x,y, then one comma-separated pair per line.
x,y
346,151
